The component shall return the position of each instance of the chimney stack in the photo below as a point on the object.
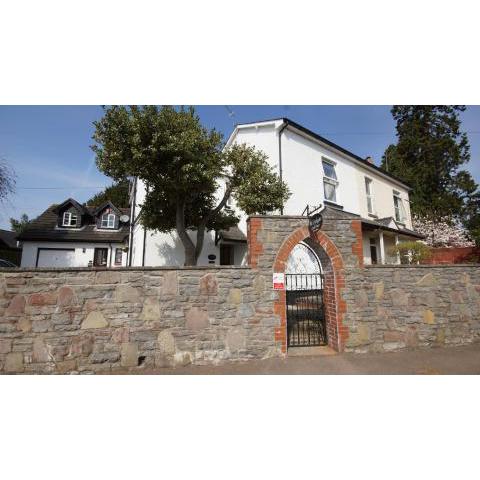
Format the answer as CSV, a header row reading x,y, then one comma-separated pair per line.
x,y
369,159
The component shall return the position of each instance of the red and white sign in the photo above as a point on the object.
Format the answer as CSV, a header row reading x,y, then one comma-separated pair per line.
x,y
279,281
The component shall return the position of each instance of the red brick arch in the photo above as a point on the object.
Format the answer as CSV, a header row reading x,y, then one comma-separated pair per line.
x,y
333,267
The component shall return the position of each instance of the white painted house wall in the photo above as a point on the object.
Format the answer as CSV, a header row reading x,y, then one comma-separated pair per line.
x,y
83,253
166,249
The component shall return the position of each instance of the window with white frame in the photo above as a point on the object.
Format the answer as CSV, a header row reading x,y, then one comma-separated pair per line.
x,y
400,214
69,219
330,182
108,220
369,193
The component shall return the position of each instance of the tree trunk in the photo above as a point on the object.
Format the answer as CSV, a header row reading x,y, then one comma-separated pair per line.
x,y
188,245
193,251
200,239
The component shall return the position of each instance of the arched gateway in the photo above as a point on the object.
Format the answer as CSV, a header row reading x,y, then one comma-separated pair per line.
x,y
304,282
336,243
333,281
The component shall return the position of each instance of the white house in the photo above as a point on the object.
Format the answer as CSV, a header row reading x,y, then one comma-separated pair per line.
x,y
317,172
75,235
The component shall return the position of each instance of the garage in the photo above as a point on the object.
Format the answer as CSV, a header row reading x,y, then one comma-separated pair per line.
x,y
55,257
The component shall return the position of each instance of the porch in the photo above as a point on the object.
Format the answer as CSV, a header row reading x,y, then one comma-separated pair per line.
x,y
380,237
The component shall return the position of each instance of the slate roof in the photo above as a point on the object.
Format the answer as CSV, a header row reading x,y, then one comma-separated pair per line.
x,y
383,224
8,239
44,228
233,234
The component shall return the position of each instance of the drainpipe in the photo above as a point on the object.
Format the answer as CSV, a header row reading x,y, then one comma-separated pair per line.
x,y
132,222
280,168
144,240
144,245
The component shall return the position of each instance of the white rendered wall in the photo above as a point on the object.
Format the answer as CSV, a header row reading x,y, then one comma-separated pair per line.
x,y
82,258
166,249
383,188
302,170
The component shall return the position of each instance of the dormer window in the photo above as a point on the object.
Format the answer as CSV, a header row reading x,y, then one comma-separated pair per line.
x,y
108,220
69,219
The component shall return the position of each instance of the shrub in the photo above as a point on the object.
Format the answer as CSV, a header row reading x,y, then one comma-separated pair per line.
x,y
411,252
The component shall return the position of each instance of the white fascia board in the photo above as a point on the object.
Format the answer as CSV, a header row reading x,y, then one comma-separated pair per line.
x,y
347,157
242,126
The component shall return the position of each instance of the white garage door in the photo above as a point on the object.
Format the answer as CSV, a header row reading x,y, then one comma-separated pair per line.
x,y
56,258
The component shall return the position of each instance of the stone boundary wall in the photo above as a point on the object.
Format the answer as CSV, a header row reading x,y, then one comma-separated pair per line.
x,y
84,320
404,306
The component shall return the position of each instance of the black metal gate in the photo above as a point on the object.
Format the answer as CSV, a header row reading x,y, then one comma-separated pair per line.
x,y
305,312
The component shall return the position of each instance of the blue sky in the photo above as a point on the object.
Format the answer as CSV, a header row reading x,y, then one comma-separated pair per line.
x,y
48,146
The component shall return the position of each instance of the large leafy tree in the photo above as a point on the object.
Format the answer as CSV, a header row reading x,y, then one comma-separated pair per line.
x,y
188,174
117,193
430,153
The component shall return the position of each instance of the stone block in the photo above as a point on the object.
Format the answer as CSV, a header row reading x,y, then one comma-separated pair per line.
x,y
209,284
399,297
16,306
41,353
236,339
94,319
393,346
235,296
66,296
428,280
411,337
361,298
170,283
66,366
41,299
196,319
14,362
259,284
129,355
360,335
393,336
166,343
246,310
81,346
182,359
5,345
121,335
379,288
107,278
126,293
151,309
440,336
40,326
105,357
428,317
164,361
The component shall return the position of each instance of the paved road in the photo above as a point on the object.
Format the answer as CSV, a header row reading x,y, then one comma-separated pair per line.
x,y
450,360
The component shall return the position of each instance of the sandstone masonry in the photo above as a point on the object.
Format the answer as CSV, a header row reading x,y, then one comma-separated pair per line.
x,y
82,320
